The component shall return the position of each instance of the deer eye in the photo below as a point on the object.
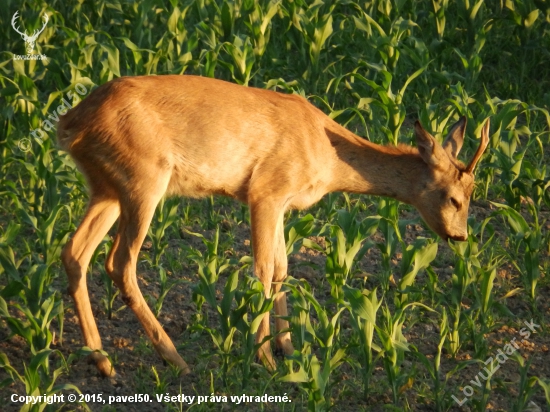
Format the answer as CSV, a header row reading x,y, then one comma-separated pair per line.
x,y
456,203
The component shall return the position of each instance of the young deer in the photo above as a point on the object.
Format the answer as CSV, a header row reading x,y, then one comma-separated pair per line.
x,y
137,139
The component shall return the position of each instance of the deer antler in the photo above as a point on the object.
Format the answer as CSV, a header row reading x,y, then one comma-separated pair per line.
x,y
481,148
15,16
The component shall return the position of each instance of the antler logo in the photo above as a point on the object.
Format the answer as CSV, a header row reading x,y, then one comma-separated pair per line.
x,y
30,41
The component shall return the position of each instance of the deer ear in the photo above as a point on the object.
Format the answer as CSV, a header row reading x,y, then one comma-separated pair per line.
x,y
454,140
430,150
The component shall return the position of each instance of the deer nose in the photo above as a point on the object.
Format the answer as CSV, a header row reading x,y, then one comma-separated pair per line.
x,y
460,238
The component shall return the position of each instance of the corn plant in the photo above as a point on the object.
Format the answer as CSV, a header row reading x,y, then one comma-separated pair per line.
x,y
39,379
416,257
363,306
473,63
526,384
391,229
260,19
251,306
464,274
391,103
211,265
344,246
41,206
165,215
312,27
243,59
527,243
231,319
482,402
224,339
440,7
434,367
393,345
387,41
313,372
484,230
111,291
545,384
296,233
40,305
165,286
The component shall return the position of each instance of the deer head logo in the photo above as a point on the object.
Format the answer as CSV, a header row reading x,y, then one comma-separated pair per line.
x,y
29,40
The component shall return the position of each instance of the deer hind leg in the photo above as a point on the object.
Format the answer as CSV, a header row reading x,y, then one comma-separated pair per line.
x,y
282,340
101,215
136,216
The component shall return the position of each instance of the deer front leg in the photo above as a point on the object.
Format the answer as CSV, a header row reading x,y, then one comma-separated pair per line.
x,y
265,215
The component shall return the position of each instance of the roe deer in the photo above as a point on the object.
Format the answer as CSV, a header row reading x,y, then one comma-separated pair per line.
x,y
137,139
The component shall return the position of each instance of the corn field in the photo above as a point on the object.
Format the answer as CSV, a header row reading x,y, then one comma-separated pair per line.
x,y
385,316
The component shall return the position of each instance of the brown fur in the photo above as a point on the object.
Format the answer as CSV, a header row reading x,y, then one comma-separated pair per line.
x,y
137,139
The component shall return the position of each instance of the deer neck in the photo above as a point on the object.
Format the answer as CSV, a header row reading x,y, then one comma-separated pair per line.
x,y
365,167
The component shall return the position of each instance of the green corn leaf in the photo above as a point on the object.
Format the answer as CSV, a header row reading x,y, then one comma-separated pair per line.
x,y
300,376
486,288
515,220
361,305
113,58
229,292
531,18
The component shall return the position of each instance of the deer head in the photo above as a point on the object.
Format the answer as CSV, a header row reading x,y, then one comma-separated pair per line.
x,y
30,41
444,197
